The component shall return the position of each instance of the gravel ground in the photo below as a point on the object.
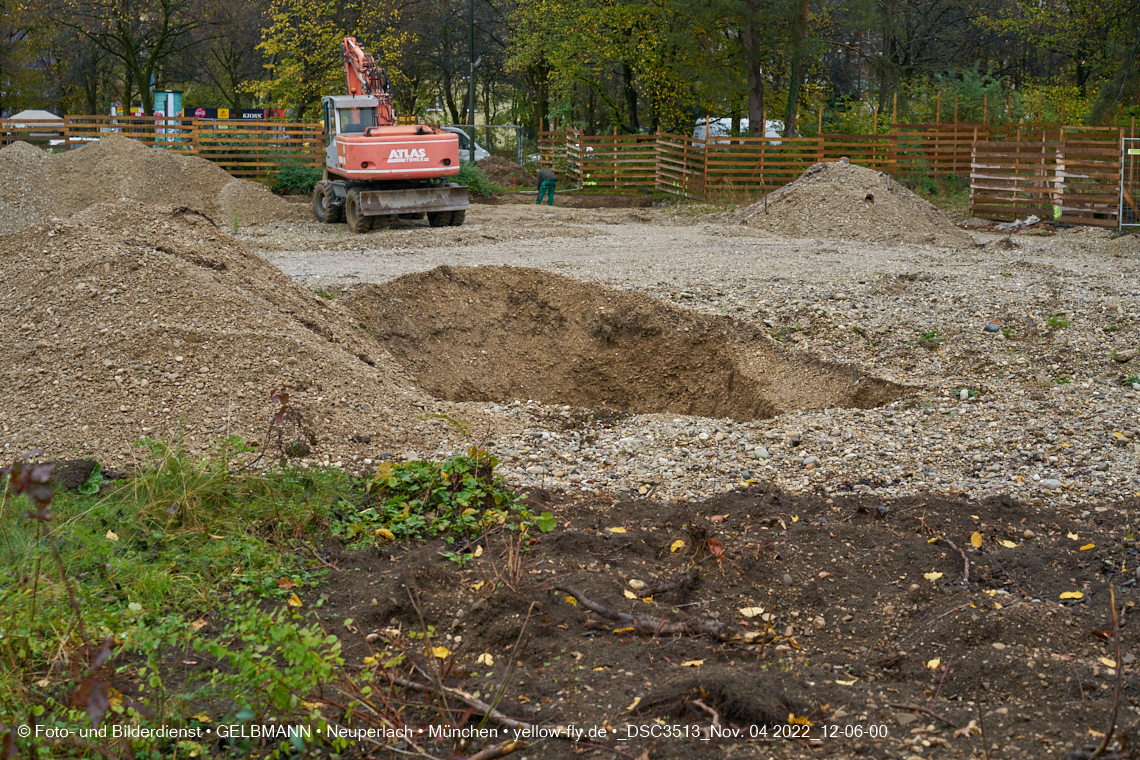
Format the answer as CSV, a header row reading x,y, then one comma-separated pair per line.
x,y
1039,407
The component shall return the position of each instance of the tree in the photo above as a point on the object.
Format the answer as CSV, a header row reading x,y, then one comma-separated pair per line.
x,y
142,35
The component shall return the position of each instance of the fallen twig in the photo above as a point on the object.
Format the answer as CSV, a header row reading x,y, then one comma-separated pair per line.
x,y
942,680
962,554
650,625
499,750
481,706
318,557
916,708
1119,677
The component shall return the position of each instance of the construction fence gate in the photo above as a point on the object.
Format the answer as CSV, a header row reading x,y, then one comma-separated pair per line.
x,y
1129,182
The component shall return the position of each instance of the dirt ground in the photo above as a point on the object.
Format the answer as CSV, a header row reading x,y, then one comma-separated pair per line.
x,y
891,636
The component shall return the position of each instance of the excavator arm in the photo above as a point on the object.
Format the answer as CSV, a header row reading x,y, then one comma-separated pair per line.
x,y
364,77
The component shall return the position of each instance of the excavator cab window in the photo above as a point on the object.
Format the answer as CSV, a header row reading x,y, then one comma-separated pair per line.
x,y
328,123
356,120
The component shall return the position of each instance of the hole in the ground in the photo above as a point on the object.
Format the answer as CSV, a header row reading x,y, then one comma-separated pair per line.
x,y
506,333
869,198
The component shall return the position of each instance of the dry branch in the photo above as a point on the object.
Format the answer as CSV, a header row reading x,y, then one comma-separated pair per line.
x,y
650,625
962,554
499,750
916,708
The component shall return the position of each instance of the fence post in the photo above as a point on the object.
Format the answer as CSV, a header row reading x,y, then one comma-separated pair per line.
x,y
705,163
938,114
614,161
819,138
985,108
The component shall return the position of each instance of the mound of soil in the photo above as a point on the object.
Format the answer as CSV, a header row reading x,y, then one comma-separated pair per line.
x,y
117,168
1125,245
852,203
127,321
507,173
23,186
850,612
501,333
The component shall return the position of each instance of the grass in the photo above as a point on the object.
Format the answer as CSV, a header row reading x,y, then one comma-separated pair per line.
x,y
142,564
1058,321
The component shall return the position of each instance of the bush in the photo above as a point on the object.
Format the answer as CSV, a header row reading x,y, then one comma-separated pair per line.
x,y
476,181
297,179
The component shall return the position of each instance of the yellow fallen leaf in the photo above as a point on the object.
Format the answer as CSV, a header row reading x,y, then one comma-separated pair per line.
x,y
1086,547
801,720
477,585
751,611
1107,662
479,551
485,659
934,540
648,600
294,600
619,630
634,704
975,517
441,652
976,540
1008,544
112,535
795,518
371,660
692,663
617,530
571,600
312,705
202,718
932,576
1073,536
1072,595
629,594
385,533
596,670
677,545
934,664
989,592
845,683
198,625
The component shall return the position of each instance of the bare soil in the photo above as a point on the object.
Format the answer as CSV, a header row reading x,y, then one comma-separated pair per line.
x,y
577,199
880,637
509,333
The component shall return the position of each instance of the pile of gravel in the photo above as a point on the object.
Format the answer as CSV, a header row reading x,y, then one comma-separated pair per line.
x,y
849,202
507,173
38,186
127,321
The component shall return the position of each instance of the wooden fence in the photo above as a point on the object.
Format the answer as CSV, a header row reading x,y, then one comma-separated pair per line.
x,y
252,149
1013,169
1074,181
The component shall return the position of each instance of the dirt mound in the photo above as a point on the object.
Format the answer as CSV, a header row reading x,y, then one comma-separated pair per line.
x,y
1125,245
23,170
852,203
128,321
507,173
39,186
499,333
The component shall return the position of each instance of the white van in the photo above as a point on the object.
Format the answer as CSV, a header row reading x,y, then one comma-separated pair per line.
x,y
465,145
723,127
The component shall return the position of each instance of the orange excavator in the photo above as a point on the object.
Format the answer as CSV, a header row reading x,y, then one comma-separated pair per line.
x,y
377,170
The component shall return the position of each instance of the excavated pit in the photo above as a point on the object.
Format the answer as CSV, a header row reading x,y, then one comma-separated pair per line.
x,y
506,333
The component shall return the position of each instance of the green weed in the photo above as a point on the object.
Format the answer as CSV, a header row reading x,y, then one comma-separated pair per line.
x,y
1058,321
930,340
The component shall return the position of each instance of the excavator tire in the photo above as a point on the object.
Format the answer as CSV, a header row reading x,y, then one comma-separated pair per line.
x,y
357,222
439,218
325,212
457,218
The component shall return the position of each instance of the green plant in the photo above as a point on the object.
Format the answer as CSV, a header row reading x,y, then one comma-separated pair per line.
x,y
458,497
930,340
475,180
90,487
235,223
1007,333
325,294
295,178
1057,321
1133,380
1110,327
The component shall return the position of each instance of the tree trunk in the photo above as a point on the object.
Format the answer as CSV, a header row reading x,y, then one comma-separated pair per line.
x,y
753,55
630,97
797,75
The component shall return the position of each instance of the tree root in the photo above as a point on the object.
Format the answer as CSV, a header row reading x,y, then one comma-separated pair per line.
x,y
649,625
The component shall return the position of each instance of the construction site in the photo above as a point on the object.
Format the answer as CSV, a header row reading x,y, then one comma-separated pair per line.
x,y
676,467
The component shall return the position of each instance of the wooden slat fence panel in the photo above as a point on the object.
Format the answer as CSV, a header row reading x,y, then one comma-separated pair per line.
x,y
618,161
680,166
1075,182
251,149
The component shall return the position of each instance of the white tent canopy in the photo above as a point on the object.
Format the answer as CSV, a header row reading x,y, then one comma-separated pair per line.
x,y
36,117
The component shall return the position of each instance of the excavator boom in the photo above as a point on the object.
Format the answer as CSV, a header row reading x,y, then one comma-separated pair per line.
x,y
365,78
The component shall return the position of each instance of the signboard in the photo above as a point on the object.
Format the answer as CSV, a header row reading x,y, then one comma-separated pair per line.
x,y
245,114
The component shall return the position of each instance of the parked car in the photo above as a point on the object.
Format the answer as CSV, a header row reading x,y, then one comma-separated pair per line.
x,y
465,145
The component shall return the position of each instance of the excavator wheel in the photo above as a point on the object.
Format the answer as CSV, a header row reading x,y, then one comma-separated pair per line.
x,y
326,212
357,222
457,218
439,218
